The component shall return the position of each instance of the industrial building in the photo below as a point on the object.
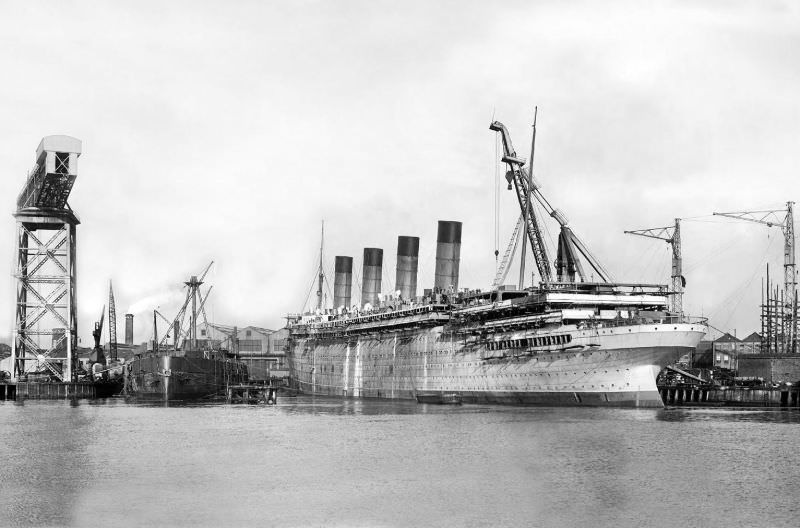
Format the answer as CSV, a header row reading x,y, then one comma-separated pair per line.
x,y
261,349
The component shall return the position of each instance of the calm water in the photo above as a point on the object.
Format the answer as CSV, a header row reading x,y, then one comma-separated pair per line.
x,y
323,462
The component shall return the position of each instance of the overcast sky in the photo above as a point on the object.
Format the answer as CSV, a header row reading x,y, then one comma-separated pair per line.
x,y
227,131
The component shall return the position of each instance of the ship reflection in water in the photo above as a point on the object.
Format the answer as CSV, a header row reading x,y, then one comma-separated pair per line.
x,y
315,461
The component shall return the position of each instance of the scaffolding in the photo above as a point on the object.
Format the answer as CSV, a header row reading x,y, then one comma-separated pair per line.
x,y
778,320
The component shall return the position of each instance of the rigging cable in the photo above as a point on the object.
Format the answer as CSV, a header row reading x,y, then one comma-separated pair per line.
x,y
310,288
743,288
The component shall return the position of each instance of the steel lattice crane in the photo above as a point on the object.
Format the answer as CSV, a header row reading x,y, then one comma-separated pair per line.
x,y
672,235
523,183
784,218
112,324
568,266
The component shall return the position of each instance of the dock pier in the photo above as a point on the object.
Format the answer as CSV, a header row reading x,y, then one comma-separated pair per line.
x,y
46,391
785,396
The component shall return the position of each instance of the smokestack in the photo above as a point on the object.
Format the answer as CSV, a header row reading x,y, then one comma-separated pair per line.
x,y
128,329
448,255
342,281
407,260
371,276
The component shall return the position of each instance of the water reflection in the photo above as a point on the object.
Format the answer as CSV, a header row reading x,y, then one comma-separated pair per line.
x,y
390,463
322,405
715,414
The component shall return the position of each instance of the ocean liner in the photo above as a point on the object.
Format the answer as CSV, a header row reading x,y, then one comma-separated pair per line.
x,y
575,338
188,371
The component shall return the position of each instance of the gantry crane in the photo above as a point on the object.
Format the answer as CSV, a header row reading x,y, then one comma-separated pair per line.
x,y
568,266
46,323
672,235
784,218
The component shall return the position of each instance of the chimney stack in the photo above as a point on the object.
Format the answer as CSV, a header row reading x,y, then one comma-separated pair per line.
x,y
342,281
448,255
407,264
128,329
371,276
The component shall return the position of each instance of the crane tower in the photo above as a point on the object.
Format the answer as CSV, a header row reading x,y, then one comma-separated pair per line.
x,y
784,218
46,327
672,235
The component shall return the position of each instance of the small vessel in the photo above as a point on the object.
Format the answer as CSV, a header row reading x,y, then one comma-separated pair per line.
x,y
577,337
440,397
191,371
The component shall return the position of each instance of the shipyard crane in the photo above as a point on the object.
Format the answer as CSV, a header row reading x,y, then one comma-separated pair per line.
x,y
672,236
523,182
112,324
784,218
568,266
97,355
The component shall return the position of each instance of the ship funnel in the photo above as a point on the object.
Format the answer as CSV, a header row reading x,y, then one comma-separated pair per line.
x,y
371,276
407,261
128,329
448,255
342,281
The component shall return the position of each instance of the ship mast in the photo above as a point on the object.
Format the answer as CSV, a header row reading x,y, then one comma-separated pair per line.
x,y
528,204
155,333
321,273
194,292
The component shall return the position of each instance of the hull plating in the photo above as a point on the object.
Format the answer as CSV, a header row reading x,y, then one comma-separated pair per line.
x,y
613,366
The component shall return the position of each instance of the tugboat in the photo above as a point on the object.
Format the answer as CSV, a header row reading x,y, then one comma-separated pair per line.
x,y
187,372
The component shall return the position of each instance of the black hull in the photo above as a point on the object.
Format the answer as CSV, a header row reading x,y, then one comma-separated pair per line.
x,y
181,377
108,388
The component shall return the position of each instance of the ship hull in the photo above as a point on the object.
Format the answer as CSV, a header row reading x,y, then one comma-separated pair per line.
x,y
609,367
181,377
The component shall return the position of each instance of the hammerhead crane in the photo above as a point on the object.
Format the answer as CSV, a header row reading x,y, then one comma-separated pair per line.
x,y
672,236
784,218
569,246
